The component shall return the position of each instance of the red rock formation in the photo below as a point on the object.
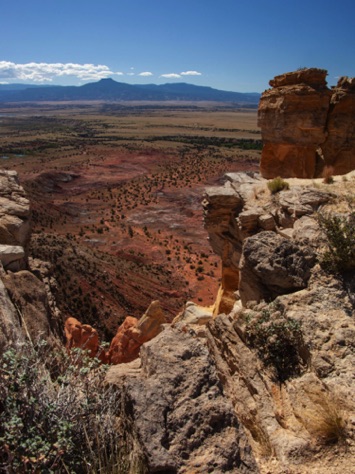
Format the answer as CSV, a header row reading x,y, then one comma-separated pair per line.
x,y
292,116
339,148
132,334
84,337
124,348
126,344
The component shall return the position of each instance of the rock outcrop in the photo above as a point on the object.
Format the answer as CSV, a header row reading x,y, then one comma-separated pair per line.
x,y
259,268
305,126
28,311
173,411
274,279
133,333
339,147
83,336
14,222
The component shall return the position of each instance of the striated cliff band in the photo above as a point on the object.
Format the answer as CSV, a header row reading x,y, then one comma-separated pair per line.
x,y
306,127
260,382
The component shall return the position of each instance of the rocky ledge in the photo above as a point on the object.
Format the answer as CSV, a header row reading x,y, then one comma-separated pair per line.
x,y
283,333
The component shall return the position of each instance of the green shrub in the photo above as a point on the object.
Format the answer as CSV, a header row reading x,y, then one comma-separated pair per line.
x,y
277,340
64,425
277,184
340,233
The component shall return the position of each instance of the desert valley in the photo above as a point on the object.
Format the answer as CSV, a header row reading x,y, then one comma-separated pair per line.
x,y
116,192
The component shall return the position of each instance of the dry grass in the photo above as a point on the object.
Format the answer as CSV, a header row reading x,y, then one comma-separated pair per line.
x,y
325,419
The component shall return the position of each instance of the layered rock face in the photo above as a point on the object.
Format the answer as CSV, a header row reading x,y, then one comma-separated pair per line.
x,y
14,222
305,126
339,147
27,308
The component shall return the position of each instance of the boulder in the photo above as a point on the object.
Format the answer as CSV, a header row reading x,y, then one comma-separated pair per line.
x,y
12,257
194,314
272,265
14,221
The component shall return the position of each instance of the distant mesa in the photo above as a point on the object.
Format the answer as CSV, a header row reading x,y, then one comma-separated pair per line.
x,y
307,127
110,90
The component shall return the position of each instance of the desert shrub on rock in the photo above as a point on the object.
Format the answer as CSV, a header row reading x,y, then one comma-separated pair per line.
x,y
277,184
277,339
64,424
340,234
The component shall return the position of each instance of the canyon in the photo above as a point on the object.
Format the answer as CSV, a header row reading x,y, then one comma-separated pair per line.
x,y
257,378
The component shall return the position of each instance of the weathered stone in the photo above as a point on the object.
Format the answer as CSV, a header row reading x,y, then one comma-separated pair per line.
x,y
266,222
82,336
313,77
295,113
12,257
300,201
248,220
124,348
306,127
133,333
194,314
10,327
306,228
14,231
174,413
339,147
29,295
291,161
272,265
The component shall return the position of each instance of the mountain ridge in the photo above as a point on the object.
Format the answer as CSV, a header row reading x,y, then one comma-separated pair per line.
x,y
108,89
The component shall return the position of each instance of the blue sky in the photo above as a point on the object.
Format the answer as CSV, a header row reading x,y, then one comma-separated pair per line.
x,y
236,45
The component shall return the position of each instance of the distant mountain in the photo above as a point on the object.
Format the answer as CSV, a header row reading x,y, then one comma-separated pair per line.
x,y
110,90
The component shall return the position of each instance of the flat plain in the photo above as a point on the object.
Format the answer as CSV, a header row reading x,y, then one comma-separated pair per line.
x,y
116,191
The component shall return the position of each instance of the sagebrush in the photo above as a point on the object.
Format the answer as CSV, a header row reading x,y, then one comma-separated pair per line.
x,y
61,425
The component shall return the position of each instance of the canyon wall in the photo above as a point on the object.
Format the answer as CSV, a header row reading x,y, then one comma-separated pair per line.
x,y
307,127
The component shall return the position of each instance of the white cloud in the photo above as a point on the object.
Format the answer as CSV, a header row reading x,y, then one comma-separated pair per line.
x,y
145,74
191,73
130,73
46,72
171,76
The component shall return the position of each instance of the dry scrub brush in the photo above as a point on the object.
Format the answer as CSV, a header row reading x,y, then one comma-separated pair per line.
x,y
324,419
64,423
339,230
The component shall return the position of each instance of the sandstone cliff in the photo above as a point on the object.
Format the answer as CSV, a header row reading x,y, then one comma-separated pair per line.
x,y
307,127
28,309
